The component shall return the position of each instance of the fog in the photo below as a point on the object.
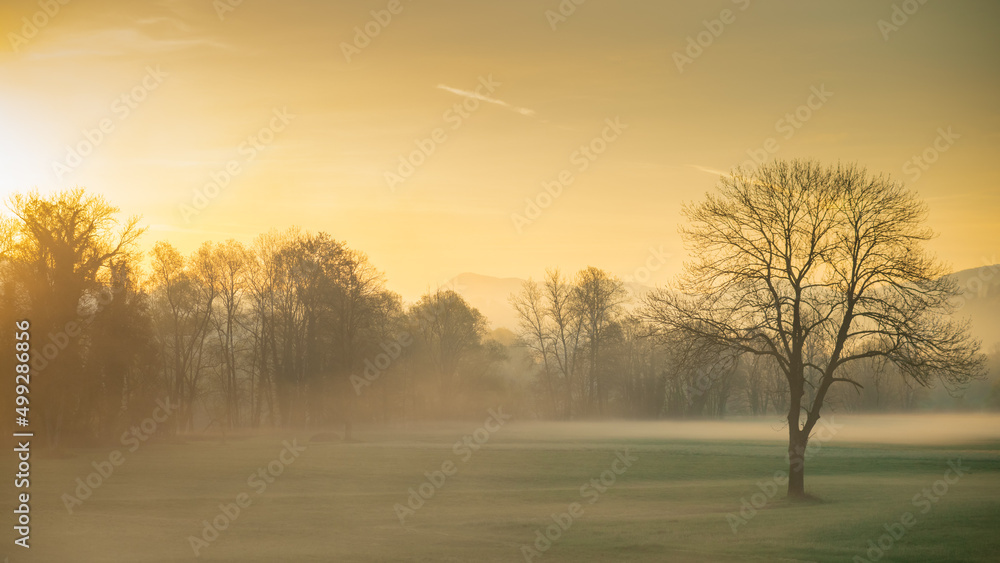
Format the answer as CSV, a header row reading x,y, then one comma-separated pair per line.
x,y
903,429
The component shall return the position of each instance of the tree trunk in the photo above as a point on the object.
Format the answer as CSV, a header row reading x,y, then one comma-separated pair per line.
x,y
797,441
569,395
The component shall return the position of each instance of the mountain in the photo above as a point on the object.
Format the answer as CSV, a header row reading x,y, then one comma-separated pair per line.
x,y
980,299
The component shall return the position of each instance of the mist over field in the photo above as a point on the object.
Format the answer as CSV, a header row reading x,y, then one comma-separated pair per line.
x,y
380,280
934,429
693,491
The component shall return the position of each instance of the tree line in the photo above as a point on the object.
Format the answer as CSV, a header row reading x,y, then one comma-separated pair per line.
x,y
294,329
298,329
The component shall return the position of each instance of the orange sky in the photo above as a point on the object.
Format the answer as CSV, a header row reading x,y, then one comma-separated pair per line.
x,y
203,93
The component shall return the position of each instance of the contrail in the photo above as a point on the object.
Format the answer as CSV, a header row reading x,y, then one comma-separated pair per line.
x,y
487,99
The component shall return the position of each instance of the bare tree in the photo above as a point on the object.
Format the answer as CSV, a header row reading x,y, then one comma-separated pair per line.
x,y
357,311
230,261
534,332
566,331
262,277
599,297
817,267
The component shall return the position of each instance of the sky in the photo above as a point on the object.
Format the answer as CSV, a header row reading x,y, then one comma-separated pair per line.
x,y
227,119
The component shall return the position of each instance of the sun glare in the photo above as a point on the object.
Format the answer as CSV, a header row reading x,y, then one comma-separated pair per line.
x,y
23,164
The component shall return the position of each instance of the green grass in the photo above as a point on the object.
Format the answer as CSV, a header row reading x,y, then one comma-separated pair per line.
x,y
335,502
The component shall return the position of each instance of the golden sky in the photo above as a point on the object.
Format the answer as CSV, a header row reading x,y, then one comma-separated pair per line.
x,y
309,128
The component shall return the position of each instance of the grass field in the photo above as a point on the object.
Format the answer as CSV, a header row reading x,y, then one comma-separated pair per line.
x,y
337,501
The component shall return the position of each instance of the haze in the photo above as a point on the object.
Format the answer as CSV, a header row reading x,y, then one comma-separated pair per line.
x,y
353,120
541,281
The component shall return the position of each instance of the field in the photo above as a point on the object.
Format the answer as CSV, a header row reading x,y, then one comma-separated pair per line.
x,y
677,495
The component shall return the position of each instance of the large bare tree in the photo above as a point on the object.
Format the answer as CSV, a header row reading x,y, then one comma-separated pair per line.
x,y
817,267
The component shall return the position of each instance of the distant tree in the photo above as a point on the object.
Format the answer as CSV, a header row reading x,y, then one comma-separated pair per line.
x,y
449,330
700,374
230,263
183,299
536,334
315,265
815,268
385,328
567,329
569,325
315,311
598,297
122,359
361,309
263,281
639,363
